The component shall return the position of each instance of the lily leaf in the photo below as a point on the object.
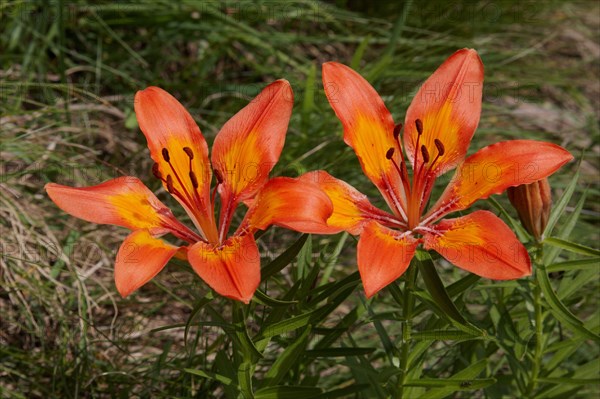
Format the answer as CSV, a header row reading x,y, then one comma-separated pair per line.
x,y
440,296
571,246
559,310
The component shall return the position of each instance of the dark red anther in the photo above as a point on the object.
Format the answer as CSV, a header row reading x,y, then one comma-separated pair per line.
x,y
425,154
440,147
156,171
390,153
170,187
189,152
165,154
397,130
419,125
193,179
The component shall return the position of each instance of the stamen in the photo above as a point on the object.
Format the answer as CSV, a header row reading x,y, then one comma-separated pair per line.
x,y
193,179
440,147
170,187
390,153
400,169
425,154
419,125
397,130
165,154
189,152
156,171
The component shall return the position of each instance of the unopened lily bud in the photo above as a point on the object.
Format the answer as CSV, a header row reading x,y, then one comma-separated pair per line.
x,y
533,203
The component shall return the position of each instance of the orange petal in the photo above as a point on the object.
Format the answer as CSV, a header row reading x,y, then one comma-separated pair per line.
x,y
249,144
383,255
482,244
171,131
368,128
494,168
448,105
296,204
233,270
140,258
351,208
124,201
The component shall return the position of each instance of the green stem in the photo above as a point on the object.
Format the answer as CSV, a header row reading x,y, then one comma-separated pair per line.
x,y
539,320
407,310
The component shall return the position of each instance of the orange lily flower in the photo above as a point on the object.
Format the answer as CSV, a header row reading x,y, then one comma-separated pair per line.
x,y
439,126
244,152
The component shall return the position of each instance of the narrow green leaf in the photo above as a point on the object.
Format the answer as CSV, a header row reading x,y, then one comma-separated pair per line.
x,y
244,374
304,259
340,328
287,392
456,384
225,367
443,335
312,317
286,360
308,102
359,53
339,352
211,376
436,288
571,246
332,258
343,392
386,342
561,204
241,337
568,380
332,289
284,259
440,296
587,371
197,308
580,264
564,232
559,310
266,300
465,375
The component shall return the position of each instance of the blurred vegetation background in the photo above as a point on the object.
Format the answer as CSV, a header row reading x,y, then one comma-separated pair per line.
x,y
68,74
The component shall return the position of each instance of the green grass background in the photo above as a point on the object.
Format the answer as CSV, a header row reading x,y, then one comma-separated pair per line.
x,y
68,74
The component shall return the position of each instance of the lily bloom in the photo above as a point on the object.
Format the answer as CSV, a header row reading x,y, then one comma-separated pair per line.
x,y
244,152
439,125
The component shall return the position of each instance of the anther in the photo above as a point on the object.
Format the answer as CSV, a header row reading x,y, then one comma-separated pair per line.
x,y
390,153
218,176
397,130
440,147
425,154
189,152
170,187
193,179
419,125
156,171
165,154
